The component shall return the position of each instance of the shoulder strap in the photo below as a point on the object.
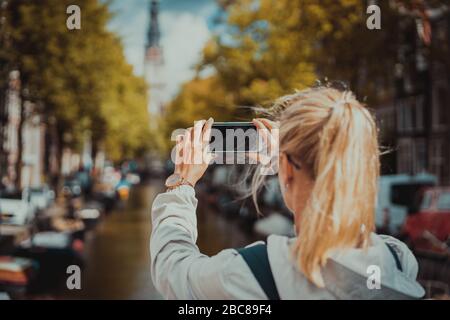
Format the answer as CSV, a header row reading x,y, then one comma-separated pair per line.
x,y
397,259
257,259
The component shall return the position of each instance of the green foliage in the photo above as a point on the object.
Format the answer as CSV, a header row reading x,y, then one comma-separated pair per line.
x,y
79,76
279,46
124,109
270,48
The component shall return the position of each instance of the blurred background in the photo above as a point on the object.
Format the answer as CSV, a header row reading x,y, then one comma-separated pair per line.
x,y
86,117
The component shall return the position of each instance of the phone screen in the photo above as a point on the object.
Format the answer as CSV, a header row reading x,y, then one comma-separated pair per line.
x,y
234,137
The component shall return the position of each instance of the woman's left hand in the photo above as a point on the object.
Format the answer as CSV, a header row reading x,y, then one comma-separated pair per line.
x,y
192,156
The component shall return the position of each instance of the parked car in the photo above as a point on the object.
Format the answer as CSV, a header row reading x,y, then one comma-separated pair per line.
x,y
16,207
90,213
133,178
104,190
84,178
429,227
42,197
397,197
123,189
72,187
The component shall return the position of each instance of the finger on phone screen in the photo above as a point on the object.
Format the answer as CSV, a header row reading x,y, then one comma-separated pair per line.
x,y
262,131
268,123
187,152
207,130
198,128
179,153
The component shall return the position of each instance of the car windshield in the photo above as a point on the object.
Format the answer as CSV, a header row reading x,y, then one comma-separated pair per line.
x,y
426,201
71,183
408,195
10,195
443,203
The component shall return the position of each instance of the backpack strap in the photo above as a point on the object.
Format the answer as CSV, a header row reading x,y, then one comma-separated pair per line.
x,y
395,255
257,259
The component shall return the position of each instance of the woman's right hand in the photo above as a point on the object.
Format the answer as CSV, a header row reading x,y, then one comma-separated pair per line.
x,y
191,158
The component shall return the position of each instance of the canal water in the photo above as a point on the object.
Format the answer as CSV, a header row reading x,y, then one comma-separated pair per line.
x,y
117,259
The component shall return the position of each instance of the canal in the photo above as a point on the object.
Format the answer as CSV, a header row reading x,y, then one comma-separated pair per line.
x,y
117,259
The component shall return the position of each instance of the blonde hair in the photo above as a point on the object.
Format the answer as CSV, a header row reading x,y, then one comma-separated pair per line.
x,y
333,137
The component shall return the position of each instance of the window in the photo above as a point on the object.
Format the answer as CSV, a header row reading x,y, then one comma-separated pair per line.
x,y
437,156
420,155
408,121
440,105
410,114
408,195
443,202
405,156
400,118
426,201
404,116
412,155
418,108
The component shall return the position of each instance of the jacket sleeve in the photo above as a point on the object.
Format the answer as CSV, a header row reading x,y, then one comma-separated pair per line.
x,y
178,269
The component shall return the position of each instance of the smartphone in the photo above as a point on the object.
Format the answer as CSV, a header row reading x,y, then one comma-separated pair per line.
x,y
233,137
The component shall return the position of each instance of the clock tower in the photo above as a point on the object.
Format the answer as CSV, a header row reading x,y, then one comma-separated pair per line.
x,y
154,63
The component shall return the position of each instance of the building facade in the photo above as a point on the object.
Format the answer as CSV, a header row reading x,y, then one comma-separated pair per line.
x,y
422,102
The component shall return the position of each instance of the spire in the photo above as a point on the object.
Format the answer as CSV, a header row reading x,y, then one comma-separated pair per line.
x,y
153,33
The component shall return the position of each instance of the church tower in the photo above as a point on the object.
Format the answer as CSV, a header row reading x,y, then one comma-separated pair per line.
x,y
154,63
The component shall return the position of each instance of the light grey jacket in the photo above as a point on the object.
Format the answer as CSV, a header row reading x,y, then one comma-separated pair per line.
x,y
180,271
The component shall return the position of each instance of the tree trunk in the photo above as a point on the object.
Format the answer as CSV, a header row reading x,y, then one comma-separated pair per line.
x,y
3,122
59,149
51,150
19,162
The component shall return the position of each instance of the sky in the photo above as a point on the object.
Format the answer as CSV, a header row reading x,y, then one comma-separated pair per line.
x,y
185,27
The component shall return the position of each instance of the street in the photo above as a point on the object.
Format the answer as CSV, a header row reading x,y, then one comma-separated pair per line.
x,y
117,259
104,105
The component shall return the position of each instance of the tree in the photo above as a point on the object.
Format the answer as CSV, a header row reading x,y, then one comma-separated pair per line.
x,y
267,48
69,74
291,43
124,112
5,59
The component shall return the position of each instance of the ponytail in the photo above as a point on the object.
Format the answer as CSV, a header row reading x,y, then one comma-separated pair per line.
x,y
334,137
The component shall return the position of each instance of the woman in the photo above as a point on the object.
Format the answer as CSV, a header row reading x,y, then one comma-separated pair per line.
x,y
328,172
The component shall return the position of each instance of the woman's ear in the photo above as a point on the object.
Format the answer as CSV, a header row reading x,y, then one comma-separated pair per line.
x,y
286,170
